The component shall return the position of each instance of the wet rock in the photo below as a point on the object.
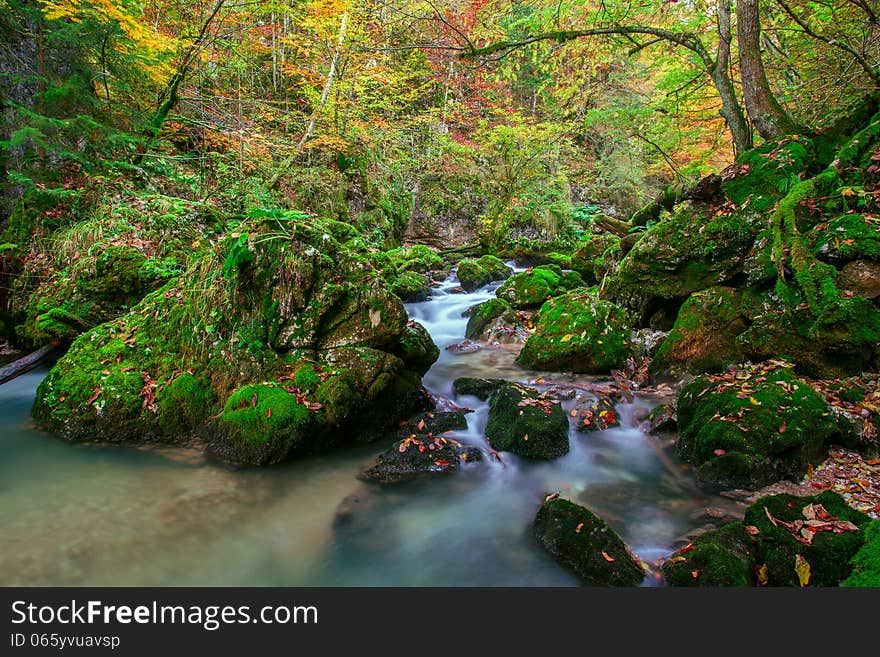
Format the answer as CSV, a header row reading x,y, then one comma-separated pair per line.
x,y
595,416
494,321
646,342
464,347
480,388
420,455
416,348
577,332
719,557
583,543
433,422
662,419
526,423
474,273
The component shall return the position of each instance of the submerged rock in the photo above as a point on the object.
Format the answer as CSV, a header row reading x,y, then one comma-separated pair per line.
x,y
577,332
474,273
495,321
583,543
281,341
662,419
526,423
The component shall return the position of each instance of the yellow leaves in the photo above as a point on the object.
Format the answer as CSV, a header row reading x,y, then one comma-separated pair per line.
x,y
754,402
802,568
566,337
761,573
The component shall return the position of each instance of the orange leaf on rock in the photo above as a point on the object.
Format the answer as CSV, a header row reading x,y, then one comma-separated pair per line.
x,y
608,557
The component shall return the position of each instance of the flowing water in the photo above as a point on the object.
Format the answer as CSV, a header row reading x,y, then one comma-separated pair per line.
x,y
91,515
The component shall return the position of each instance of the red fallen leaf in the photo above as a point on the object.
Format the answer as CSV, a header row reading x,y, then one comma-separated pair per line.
x,y
686,548
95,394
268,412
442,463
608,557
695,574
783,427
579,528
254,400
402,447
126,369
422,449
719,452
62,398
752,530
421,425
873,462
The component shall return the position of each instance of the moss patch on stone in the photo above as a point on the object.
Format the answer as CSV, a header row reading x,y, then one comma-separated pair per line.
x,y
526,423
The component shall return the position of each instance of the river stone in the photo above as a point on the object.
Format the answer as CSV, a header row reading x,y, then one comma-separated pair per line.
x,y
531,288
435,423
598,415
527,423
583,543
479,388
661,419
417,456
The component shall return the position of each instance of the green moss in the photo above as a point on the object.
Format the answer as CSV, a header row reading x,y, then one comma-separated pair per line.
x,y
483,315
531,288
577,332
774,430
523,422
260,413
417,350
183,404
479,388
829,553
866,562
720,557
703,338
411,286
475,273
845,238
767,172
583,543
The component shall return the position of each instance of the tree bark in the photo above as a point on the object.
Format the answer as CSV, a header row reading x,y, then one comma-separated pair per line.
x,y
767,115
731,109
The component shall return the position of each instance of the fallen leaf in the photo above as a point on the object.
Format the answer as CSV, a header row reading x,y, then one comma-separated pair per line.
x,y
95,394
719,452
752,530
608,557
695,574
802,568
579,528
268,412
761,572
421,425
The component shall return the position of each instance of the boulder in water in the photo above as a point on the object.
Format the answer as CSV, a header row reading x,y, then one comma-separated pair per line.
x,y
527,423
583,543
474,273
531,288
420,455
480,388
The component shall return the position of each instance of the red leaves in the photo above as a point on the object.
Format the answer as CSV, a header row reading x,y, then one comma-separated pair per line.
x,y
686,548
608,557
95,394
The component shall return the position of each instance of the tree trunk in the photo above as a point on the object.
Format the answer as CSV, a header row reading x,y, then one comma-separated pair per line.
x,y
769,118
731,110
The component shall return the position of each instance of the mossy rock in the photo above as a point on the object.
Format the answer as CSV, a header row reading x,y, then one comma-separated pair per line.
x,y
845,238
861,277
289,319
526,423
829,553
531,288
411,286
703,338
416,348
584,544
691,251
866,562
598,415
433,423
480,388
577,332
418,456
720,557
483,315
662,418
775,430
474,273
843,342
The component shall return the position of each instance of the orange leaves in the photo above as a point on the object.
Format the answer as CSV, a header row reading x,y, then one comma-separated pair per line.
x,y
608,557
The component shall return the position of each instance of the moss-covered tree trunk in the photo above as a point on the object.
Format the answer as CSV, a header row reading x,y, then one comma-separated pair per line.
x,y
769,118
731,110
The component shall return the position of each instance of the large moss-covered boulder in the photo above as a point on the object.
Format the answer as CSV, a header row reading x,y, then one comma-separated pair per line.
x,y
582,542
866,562
290,342
577,332
720,557
805,541
480,388
753,428
420,455
703,338
531,288
474,273
527,423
